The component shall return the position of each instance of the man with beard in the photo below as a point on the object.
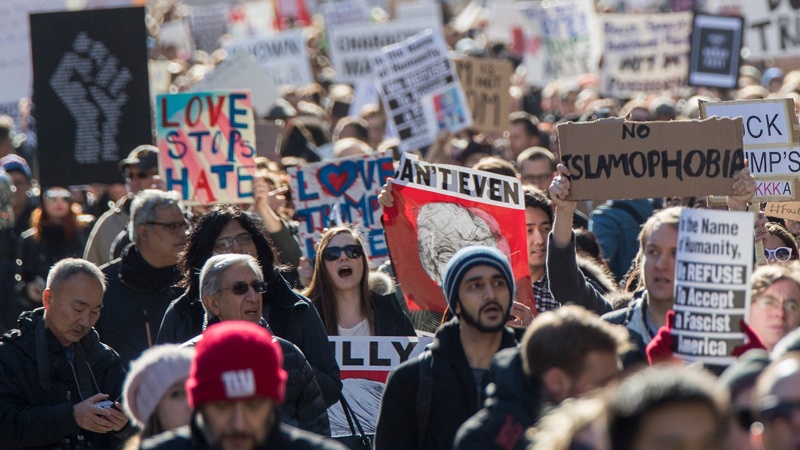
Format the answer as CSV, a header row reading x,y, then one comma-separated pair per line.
x,y
428,398
235,386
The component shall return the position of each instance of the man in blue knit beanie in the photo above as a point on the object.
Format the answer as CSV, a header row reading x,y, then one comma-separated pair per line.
x,y
428,398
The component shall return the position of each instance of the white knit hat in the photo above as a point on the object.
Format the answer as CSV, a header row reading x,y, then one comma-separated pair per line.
x,y
150,376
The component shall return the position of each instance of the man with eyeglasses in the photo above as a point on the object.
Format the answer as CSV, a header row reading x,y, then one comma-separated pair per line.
x,y
776,405
230,288
141,283
139,169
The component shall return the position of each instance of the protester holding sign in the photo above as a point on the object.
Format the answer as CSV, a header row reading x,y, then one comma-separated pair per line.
x,y
340,290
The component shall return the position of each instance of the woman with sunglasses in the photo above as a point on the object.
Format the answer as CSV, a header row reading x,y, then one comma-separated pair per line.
x,y
780,246
58,230
340,290
229,229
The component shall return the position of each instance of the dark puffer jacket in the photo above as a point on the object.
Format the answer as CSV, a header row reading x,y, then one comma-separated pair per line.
x,y
290,316
388,317
38,387
512,406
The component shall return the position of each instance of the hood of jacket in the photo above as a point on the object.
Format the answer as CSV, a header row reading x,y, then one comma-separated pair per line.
x,y
138,275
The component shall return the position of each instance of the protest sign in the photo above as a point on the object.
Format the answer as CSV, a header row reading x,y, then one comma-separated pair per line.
x,y
771,30
341,191
569,34
645,53
353,48
771,142
345,12
283,57
443,209
504,21
418,10
209,23
253,18
268,138
206,143
534,55
615,159
92,94
365,363
716,46
783,210
409,71
712,284
486,83
239,71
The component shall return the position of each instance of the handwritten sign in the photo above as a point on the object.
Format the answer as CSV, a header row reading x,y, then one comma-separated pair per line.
x,y
283,57
770,28
343,190
614,159
239,71
712,286
486,83
783,210
206,144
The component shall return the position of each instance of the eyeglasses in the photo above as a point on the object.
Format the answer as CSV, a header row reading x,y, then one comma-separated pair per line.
x,y
57,194
241,288
781,254
772,408
352,251
770,302
536,179
172,226
226,243
140,175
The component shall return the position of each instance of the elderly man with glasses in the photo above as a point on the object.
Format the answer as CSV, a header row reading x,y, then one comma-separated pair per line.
x,y
141,284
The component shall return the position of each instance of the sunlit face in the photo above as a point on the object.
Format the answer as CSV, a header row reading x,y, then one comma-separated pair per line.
x,y
56,202
537,173
776,312
238,425
72,307
160,240
173,409
658,264
138,180
229,233
345,273
484,298
537,226
228,305
519,140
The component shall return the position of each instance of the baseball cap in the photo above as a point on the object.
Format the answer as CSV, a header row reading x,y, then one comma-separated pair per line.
x,y
144,157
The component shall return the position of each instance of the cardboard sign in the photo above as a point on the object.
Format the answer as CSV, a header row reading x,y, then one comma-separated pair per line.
x,y
615,159
353,48
365,363
771,142
239,71
771,31
441,209
407,72
783,210
341,191
645,53
486,83
345,12
92,93
209,23
283,57
716,48
206,144
712,284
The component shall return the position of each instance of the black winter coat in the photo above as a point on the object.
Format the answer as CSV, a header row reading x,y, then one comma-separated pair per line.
x,y
38,388
455,395
290,316
280,437
136,298
513,405
388,317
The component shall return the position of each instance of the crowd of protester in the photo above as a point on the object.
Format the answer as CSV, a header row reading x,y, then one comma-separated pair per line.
x,y
134,321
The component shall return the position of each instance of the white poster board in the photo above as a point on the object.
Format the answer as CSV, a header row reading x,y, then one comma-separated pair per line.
x,y
283,57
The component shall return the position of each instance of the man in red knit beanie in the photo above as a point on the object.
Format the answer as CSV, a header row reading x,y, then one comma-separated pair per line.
x,y
235,386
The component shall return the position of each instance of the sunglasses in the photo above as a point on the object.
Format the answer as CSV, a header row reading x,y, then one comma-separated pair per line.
x,y
352,251
226,243
241,288
781,254
53,195
140,175
774,409
172,226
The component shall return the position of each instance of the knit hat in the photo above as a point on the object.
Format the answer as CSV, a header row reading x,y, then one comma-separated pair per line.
x,y
236,360
150,376
742,374
467,258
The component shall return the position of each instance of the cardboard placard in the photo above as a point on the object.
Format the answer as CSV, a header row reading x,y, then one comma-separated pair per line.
x,y
783,210
407,72
283,57
615,159
239,71
712,284
770,31
716,47
206,143
441,209
486,83
340,191
365,363
645,53
268,138
92,93
353,48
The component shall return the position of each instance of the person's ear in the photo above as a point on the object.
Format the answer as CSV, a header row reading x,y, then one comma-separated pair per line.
x,y
46,296
143,231
210,302
556,384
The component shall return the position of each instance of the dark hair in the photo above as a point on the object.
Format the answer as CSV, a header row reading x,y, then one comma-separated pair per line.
x,y
535,154
322,292
360,127
477,144
586,243
783,234
200,244
530,122
535,198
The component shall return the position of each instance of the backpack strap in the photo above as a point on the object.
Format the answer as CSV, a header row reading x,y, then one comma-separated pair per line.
x,y
424,395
